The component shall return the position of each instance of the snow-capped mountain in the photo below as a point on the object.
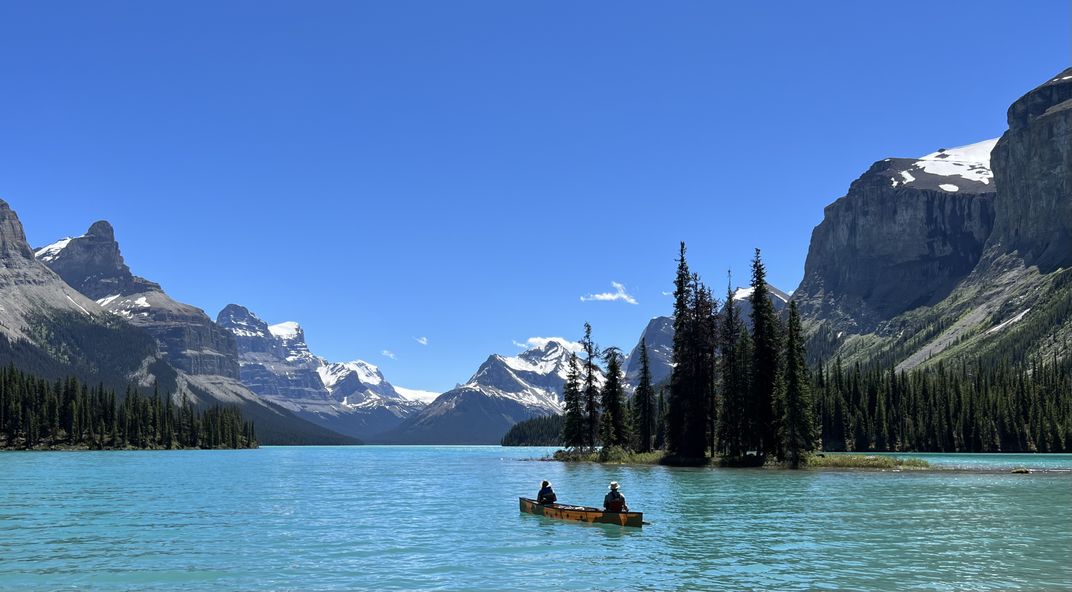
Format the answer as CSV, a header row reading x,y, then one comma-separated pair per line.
x,y
51,328
93,265
742,299
352,398
502,392
192,357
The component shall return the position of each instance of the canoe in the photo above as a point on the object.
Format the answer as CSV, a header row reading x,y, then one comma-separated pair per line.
x,y
581,513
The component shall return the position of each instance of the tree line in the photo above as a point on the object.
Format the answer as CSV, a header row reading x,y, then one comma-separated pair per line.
x,y
39,413
745,394
960,408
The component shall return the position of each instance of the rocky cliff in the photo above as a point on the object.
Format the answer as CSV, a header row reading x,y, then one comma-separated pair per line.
x,y
904,235
1033,168
50,329
92,264
963,253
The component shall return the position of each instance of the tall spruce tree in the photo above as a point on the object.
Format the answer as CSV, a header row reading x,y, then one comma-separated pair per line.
x,y
591,388
614,428
692,379
733,424
705,343
682,376
798,421
574,427
766,369
644,404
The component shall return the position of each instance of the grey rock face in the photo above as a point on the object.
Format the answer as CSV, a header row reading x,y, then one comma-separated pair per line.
x,y
93,265
1033,172
659,336
49,328
28,288
190,341
939,312
352,398
889,246
281,370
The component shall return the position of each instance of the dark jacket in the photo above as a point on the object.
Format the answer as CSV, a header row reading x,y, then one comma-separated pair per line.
x,y
614,501
546,496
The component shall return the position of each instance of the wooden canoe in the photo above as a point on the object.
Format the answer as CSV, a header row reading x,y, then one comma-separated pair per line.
x,y
581,513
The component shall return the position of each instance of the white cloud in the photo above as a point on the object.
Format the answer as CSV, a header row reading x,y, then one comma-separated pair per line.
x,y
417,394
618,294
388,354
421,340
535,342
668,293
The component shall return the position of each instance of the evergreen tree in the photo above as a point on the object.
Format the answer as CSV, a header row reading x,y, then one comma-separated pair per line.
x,y
644,404
766,371
591,388
733,424
798,423
691,402
613,425
574,427
680,377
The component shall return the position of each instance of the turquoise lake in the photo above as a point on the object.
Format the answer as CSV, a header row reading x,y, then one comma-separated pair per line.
x,y
355,518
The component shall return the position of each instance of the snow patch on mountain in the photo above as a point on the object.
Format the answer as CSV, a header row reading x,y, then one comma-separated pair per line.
x,y
970,162
286,330
1005,324
48,253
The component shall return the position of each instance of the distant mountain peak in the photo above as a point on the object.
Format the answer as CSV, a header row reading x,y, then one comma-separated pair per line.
x,y
350,397
93,264
102,229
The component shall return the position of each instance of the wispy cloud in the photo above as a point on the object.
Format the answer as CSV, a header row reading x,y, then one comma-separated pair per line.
x,y
421,340
618,294
668,293
534,342
389,354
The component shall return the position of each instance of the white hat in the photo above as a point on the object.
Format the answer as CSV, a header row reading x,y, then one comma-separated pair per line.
x,y
614,485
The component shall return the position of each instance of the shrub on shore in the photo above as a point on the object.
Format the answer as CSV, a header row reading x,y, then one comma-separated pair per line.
x,y
861,461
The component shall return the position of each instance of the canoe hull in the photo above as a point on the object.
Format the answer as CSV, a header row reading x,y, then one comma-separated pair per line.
x,y
581,514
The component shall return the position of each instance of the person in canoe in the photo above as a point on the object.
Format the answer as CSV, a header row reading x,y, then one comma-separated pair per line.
x,y
614,501
547,495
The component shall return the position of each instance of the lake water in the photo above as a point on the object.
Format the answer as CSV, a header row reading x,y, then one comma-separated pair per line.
x,y
447,518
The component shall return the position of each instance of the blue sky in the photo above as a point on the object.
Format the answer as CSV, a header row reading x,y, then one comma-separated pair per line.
x,y
466,171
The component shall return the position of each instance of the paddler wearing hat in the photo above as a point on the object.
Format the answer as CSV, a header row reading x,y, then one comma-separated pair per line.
x,y
614,501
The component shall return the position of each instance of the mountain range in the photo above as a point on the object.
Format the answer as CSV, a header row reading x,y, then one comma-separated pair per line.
x,y
960,254
352,398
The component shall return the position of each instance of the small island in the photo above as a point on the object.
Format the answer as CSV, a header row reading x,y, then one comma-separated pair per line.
x,y
38,414
742,394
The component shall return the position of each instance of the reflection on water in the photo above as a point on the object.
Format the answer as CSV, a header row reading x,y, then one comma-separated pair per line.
x,y
426,517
